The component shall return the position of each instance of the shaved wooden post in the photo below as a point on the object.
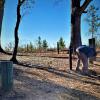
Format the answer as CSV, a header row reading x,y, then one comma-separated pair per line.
x,y
92,44
70,57
58,47
6,75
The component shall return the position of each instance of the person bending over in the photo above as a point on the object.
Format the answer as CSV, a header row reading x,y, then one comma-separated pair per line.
x,y
84,52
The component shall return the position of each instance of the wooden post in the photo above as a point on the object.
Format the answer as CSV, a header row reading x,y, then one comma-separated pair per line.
x,y
6,75
70,57
58,47
92,44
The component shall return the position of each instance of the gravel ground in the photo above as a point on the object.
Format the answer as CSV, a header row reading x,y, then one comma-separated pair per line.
x,y
44,78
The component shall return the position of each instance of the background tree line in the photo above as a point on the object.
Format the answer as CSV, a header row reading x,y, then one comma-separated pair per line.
x,y
39,46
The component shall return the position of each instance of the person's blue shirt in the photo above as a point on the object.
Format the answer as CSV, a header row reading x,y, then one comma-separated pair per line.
x,y
88,51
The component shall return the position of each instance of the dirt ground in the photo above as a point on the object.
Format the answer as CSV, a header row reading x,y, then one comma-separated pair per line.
x,y
49,78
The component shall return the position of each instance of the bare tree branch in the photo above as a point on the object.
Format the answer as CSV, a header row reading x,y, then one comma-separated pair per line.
x,y
3,2
22,1
84,6
84,12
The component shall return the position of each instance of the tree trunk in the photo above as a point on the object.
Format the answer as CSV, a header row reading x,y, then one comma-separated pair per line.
x,y
16,35
75,32
1,19
76,12
75,24
75,28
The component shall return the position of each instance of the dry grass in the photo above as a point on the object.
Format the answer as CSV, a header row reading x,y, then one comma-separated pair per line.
x,y
47,78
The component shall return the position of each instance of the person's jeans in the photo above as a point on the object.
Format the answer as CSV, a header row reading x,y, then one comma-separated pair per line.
x,y
84,59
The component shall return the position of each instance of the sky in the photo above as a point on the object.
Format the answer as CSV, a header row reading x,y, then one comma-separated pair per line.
x,y
44,19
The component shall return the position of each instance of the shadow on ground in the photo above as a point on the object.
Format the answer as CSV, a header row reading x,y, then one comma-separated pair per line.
x,y
29,88
62,73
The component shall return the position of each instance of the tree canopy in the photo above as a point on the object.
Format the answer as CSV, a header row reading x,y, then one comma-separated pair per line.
x,y
93,20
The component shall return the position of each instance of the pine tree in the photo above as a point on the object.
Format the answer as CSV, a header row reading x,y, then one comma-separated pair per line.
x,y
30,47
93,20
45,44
39,43
61,43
